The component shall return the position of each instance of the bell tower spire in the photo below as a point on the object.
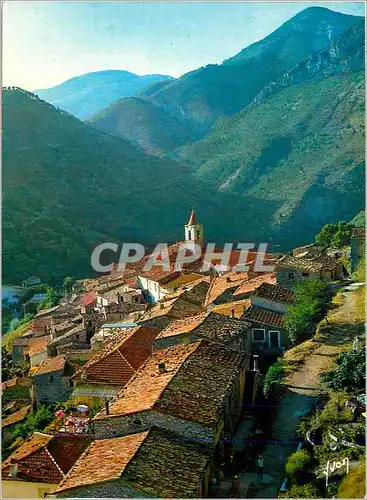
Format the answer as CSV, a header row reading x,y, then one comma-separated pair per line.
x,y
194,230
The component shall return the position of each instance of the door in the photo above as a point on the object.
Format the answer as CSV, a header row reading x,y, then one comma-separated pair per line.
x,y
274,339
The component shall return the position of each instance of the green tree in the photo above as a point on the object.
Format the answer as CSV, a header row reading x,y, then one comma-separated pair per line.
x,y
298,463
275,373
35,421
311,300
350,373
303,491
52,298
335,235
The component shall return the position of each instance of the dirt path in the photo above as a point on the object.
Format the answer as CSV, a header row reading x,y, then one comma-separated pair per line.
x,y
302,390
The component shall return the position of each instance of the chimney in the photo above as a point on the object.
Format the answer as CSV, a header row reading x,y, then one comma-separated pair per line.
x,y
13,467
256,362
107,406
232,313
228,279
161,305
162,368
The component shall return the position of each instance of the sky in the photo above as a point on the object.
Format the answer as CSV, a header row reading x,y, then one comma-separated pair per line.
x,y
46,43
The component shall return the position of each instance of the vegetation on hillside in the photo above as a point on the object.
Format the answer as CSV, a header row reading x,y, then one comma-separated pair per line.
x,y
335,235
311,299
350,373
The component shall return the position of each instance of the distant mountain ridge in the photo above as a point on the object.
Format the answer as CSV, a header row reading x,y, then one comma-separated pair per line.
x,y
200,98
85,95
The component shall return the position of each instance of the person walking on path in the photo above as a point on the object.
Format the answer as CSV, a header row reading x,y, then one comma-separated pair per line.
x,y
260,467
235,488
214,488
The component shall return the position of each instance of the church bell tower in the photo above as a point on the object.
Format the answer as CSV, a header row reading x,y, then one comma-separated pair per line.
x,y
194,230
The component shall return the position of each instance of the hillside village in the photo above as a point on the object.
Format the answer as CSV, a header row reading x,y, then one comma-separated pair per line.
x,y
169,384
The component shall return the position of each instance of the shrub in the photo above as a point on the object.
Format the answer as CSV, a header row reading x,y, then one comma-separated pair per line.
x,y
311,298
335,235
304,491
350,374
354,484
298,463
36,421
276,373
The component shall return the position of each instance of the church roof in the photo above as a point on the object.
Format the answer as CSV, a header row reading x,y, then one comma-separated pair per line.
x,y
192,219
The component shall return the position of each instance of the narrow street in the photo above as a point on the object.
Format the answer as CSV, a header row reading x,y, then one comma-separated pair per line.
x,y
301,391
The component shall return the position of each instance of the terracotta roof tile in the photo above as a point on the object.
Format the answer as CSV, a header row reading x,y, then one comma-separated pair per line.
x,y
50,365
104,460
175,308
249,286
88,299
309,258
238,306
15,417
119,360
146,386
221,284
38,345
199,389
42,323
260,315
209,325
194,372
276,293
45,458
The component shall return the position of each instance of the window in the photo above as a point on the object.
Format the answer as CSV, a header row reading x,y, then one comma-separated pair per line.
x,y
198,234
77,336
274,338
290,276
189,233
258,335
305,274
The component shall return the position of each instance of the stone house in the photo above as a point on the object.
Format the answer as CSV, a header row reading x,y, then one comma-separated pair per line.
x,y
308,262
194,390
269,304
106,373
20,347
108,332
149,464
74,338
39,464
41,326
357,247
37,350
51,380
230,332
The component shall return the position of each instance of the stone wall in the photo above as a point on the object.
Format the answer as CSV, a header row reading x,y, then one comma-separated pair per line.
x,y
52,387
111,489
138,422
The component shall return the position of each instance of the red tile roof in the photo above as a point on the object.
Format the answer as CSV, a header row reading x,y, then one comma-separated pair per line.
x,y
44,458
221,284
192,219
273,292
249,286
50,365
260,315
42,323
38,345
88,299
121,358
104,460
15,417
193,374
156,463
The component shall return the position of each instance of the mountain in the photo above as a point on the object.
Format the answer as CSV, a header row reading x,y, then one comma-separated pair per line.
x,y
68,187
301,149
85,95
144,125
200,98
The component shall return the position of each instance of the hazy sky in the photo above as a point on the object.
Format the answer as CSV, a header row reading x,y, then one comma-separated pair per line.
x,y
45,43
